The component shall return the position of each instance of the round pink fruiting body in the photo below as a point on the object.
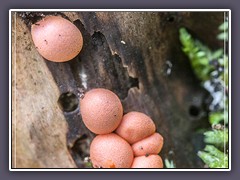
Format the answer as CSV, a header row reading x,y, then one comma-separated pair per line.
x,y
151,161
135,126
101,111
56,38
149,145
110,151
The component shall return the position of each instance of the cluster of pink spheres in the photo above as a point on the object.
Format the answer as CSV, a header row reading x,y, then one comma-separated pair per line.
x,y
128,141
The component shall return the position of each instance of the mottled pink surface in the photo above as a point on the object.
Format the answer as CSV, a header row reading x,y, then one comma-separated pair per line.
x,y
56,38
151,161
150,145
135,126
110,151
101,111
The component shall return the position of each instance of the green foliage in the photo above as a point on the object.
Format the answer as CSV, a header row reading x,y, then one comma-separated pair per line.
x,y
224,31
88,165
225,74
213,157
169,164
223,26
218,138
218,117
201,59
198,54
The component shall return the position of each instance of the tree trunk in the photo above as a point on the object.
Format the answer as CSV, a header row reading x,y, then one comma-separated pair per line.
x,y
137,55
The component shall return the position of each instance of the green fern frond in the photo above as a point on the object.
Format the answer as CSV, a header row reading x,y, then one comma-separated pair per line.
x,y
169,164
213,157
224,34
216,117
200,57
218,138
223,26
198,54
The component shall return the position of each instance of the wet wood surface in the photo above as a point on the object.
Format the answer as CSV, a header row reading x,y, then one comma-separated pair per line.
x,y
135,54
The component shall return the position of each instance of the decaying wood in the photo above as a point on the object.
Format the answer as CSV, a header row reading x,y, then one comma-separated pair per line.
x,y
135,54
39,127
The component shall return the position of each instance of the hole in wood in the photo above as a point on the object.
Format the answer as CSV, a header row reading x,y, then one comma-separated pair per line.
x,y
134,82
194,111
68,102
170,19
80,151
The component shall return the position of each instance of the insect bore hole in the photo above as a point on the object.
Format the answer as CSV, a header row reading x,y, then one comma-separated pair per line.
x,y
68,102
194,111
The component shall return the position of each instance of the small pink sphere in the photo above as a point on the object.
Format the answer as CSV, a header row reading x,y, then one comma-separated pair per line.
x,y
101,111
56,38
110,151
151,161
149,145
135,126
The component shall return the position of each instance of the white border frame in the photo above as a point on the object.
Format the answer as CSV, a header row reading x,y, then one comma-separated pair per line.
x,y
113,10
